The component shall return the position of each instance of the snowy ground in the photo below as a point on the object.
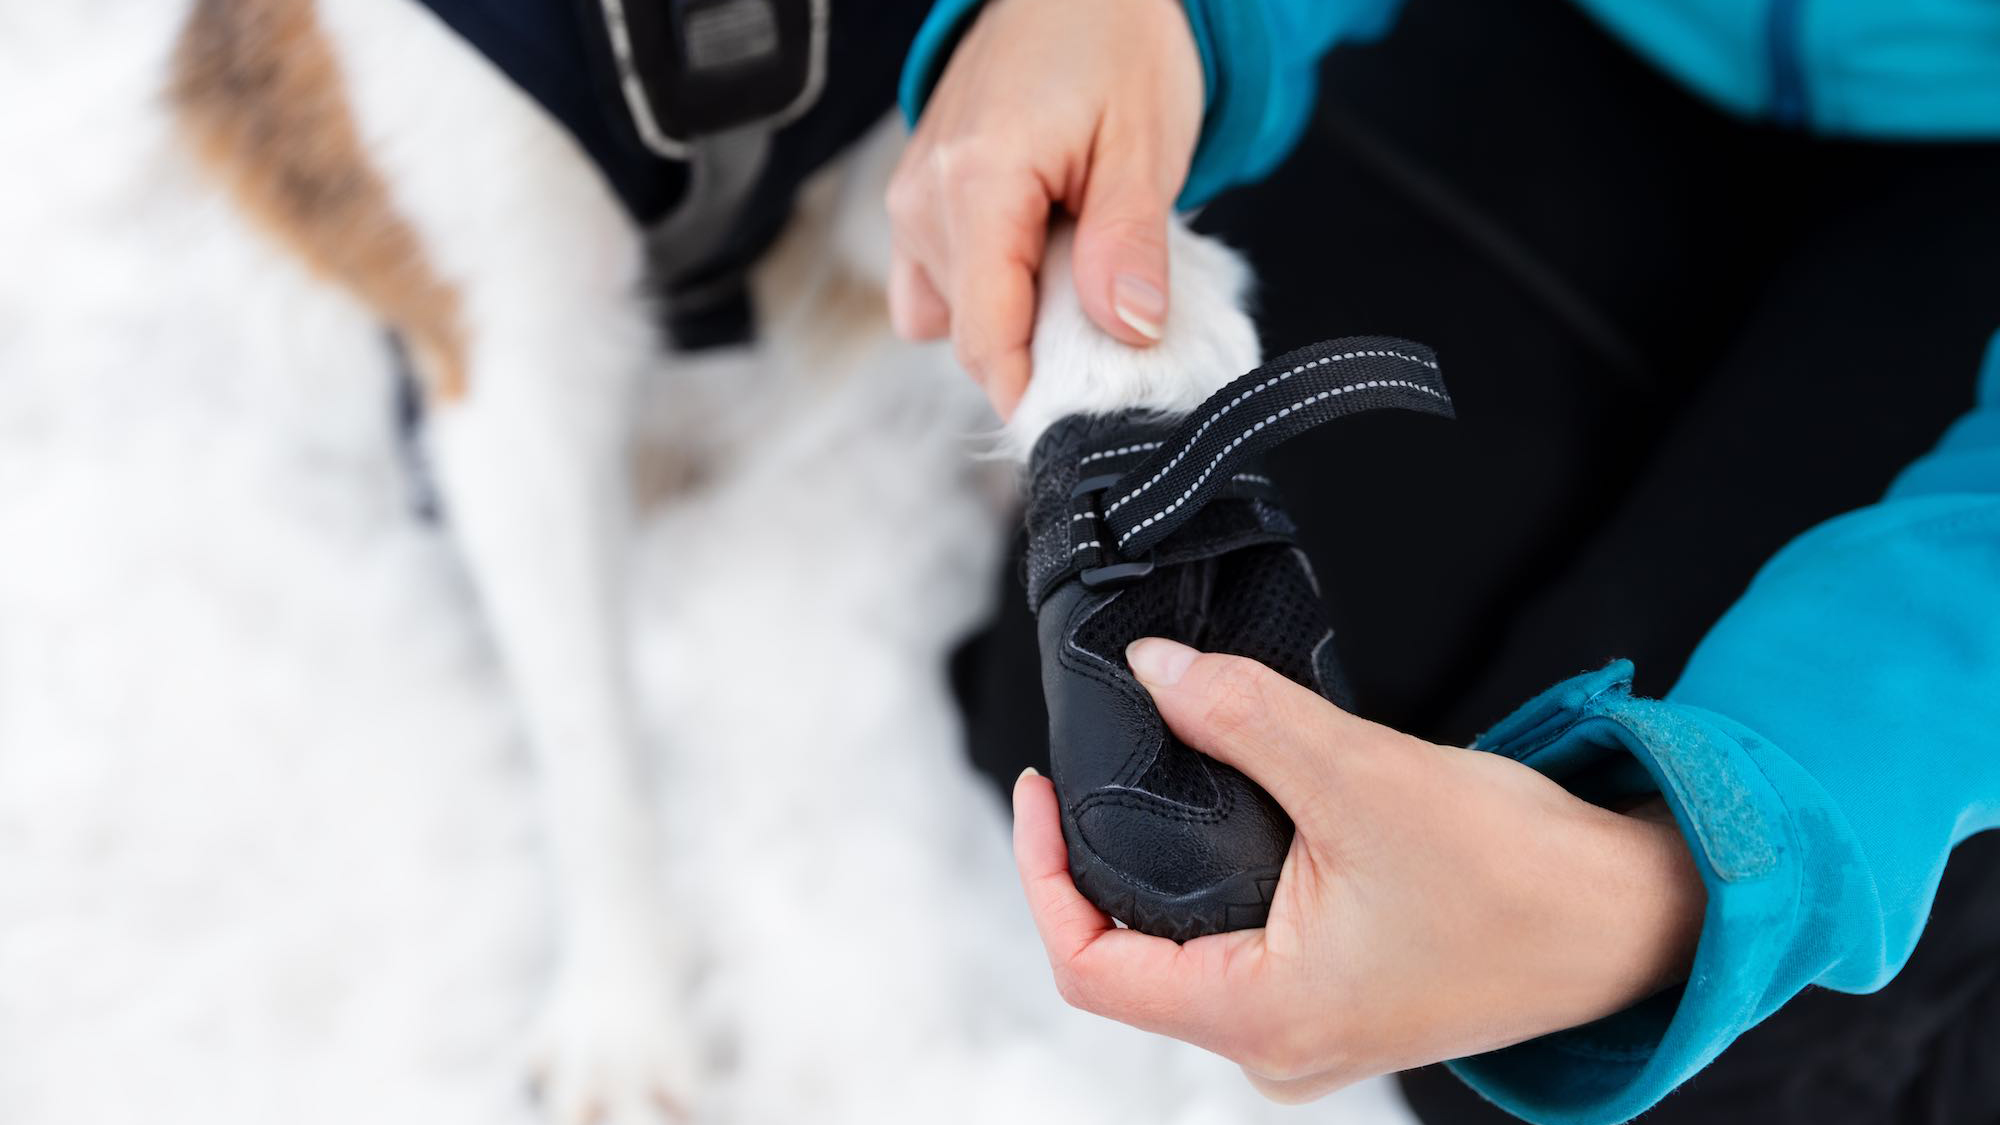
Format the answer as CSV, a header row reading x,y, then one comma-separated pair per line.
x,y
268,849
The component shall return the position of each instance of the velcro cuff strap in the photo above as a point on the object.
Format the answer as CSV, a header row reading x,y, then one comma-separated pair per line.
x,y
1132,486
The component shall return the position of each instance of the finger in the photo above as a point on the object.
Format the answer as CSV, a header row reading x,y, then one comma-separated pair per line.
x,y
997,240
1281,734
1066,920
916,310
1148,982
1121,247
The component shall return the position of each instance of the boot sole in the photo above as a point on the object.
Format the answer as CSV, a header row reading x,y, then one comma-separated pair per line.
x,y
1239,901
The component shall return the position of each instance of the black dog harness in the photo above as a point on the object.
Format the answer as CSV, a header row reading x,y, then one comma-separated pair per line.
x,y
704,116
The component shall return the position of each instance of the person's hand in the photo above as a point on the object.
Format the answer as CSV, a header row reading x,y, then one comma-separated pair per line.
x,y
1437,902
1091,106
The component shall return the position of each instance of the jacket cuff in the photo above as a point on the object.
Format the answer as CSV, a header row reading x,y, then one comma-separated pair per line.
x,y
1258,100
1261,62
929,51
1758,827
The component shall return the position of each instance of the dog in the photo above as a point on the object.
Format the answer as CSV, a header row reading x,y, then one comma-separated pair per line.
x,y
395,162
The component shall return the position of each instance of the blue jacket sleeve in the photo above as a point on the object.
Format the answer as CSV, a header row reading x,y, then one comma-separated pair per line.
x,y
1258,57
1832,739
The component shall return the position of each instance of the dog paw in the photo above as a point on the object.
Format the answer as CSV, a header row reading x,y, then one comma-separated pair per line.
x,y
611,1049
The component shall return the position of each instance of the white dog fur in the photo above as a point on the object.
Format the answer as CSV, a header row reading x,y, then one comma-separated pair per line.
x,y
1208,340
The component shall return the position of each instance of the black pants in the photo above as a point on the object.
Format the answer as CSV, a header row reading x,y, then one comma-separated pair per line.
x,y
1676,341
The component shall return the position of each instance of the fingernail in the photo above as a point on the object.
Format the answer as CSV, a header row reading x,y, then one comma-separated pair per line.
x,y
1156,660
1140,304
1026,774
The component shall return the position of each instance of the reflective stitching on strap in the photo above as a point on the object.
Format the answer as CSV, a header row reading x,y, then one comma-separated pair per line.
x,y
1239,399
1245,436
1200,458
1140,447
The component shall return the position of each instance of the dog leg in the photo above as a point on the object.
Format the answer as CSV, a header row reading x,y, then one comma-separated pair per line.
x,y
533,474
400,165
1077,369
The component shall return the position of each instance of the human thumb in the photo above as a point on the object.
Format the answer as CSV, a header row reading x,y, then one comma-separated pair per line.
x,y
1121,257
1280,734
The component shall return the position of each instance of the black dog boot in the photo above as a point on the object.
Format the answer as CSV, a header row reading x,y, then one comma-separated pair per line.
x,y
1138,527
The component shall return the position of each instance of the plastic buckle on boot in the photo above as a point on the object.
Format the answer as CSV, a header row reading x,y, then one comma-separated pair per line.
x,y
1114,571
1116,574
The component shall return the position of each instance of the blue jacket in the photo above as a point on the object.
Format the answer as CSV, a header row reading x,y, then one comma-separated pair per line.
x,y
1833,738
1838,731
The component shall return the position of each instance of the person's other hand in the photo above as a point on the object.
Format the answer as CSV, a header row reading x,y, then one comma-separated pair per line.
x,y
1436,903
1095,107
